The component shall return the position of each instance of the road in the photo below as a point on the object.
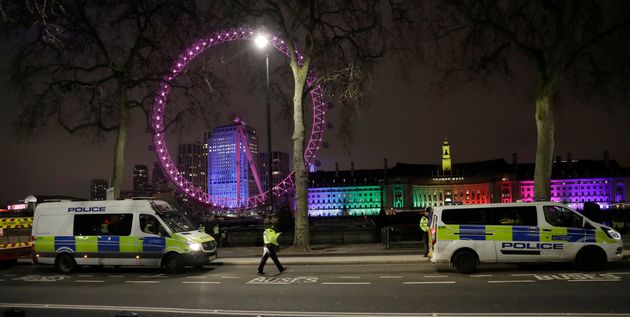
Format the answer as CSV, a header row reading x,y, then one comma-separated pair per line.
x,y
319,290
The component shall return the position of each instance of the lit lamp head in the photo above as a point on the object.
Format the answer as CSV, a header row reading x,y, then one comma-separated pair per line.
x,y
261,41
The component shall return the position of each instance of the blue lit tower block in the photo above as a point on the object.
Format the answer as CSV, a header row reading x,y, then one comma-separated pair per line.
x,y
232,172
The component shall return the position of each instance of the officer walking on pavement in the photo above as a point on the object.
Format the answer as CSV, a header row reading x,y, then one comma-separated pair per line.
x,y
270,238
424,226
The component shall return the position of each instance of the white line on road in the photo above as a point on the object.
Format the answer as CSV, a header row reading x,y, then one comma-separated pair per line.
x,y
346,283
1,280
605,280
142,282
85,275
223,312
349,277
200,282
9,274
196,276
480,275
619,273
437,282
513,281
433,276
529,274
391,276
230,277
90,281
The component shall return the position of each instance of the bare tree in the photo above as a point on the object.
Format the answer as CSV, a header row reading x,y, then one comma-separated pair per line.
x,y
574,46
342,40
87,65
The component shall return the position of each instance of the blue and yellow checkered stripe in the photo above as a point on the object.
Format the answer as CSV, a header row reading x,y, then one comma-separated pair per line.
x,y
520,233
108,245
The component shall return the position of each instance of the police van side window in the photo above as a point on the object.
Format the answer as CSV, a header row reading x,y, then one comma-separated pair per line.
x,y
102,224
469,216
150,224
561,217
516,216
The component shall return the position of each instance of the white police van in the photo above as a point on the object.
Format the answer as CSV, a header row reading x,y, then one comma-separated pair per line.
x,y
466,235
118,232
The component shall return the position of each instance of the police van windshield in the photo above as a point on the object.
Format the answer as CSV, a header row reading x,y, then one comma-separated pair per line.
x,y
173,219
176,222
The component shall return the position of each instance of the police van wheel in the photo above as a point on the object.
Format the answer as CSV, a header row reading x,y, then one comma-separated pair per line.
x,y
590,259
465,261
65,264
173,263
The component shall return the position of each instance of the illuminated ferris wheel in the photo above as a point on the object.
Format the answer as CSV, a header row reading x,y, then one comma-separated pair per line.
x,y
157,124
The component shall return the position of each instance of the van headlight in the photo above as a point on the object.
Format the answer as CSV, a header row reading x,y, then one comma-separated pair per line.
x,y
613,234
194,246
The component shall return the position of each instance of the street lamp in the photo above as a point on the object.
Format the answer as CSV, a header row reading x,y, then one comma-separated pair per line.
x,y
262,42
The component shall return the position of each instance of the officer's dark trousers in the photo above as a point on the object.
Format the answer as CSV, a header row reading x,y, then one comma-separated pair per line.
x,y
270,251
425,240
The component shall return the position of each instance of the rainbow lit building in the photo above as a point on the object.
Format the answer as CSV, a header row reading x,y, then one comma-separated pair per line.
x,y
412,187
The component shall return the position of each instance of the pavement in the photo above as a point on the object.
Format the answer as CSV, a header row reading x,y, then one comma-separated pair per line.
x,y
334,254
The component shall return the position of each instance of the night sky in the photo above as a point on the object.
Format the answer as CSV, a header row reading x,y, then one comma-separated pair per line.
x,y
405,123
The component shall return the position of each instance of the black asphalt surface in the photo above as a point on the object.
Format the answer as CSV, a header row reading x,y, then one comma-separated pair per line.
x,y
319,290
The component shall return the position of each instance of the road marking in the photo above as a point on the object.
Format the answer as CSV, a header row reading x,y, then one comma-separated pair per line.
x,y
513,281
349,277
437,282
346,283
90,281
142,282
391,276
480,275
619,273
433,276
196,276
607,280
115,276
200,282
85,275
215,312
1,280
9,274
153,276
230,277
522,274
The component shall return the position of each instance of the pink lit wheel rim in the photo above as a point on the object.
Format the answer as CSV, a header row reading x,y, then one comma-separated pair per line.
x,y
161,100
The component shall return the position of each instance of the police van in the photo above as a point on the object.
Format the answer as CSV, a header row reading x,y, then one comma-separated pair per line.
x,y
118,232
466,235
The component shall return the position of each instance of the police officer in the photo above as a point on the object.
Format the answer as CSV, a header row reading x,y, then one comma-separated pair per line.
x,y
270,238
424,226
216,232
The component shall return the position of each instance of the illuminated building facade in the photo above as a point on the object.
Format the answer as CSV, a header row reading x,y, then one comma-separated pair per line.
x,y
412,187
280,164
141,180
190,164
160,184
232,152
575,182
345,193
98,189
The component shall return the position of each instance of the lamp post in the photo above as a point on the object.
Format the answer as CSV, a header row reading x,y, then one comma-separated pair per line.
x,y
262,41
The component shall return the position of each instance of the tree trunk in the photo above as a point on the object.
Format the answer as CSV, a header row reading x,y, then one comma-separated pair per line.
x,y
121,140
545,145
301,239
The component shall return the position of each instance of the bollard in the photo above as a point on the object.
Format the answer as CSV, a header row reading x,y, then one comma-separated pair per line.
x,y
126,314
14,312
